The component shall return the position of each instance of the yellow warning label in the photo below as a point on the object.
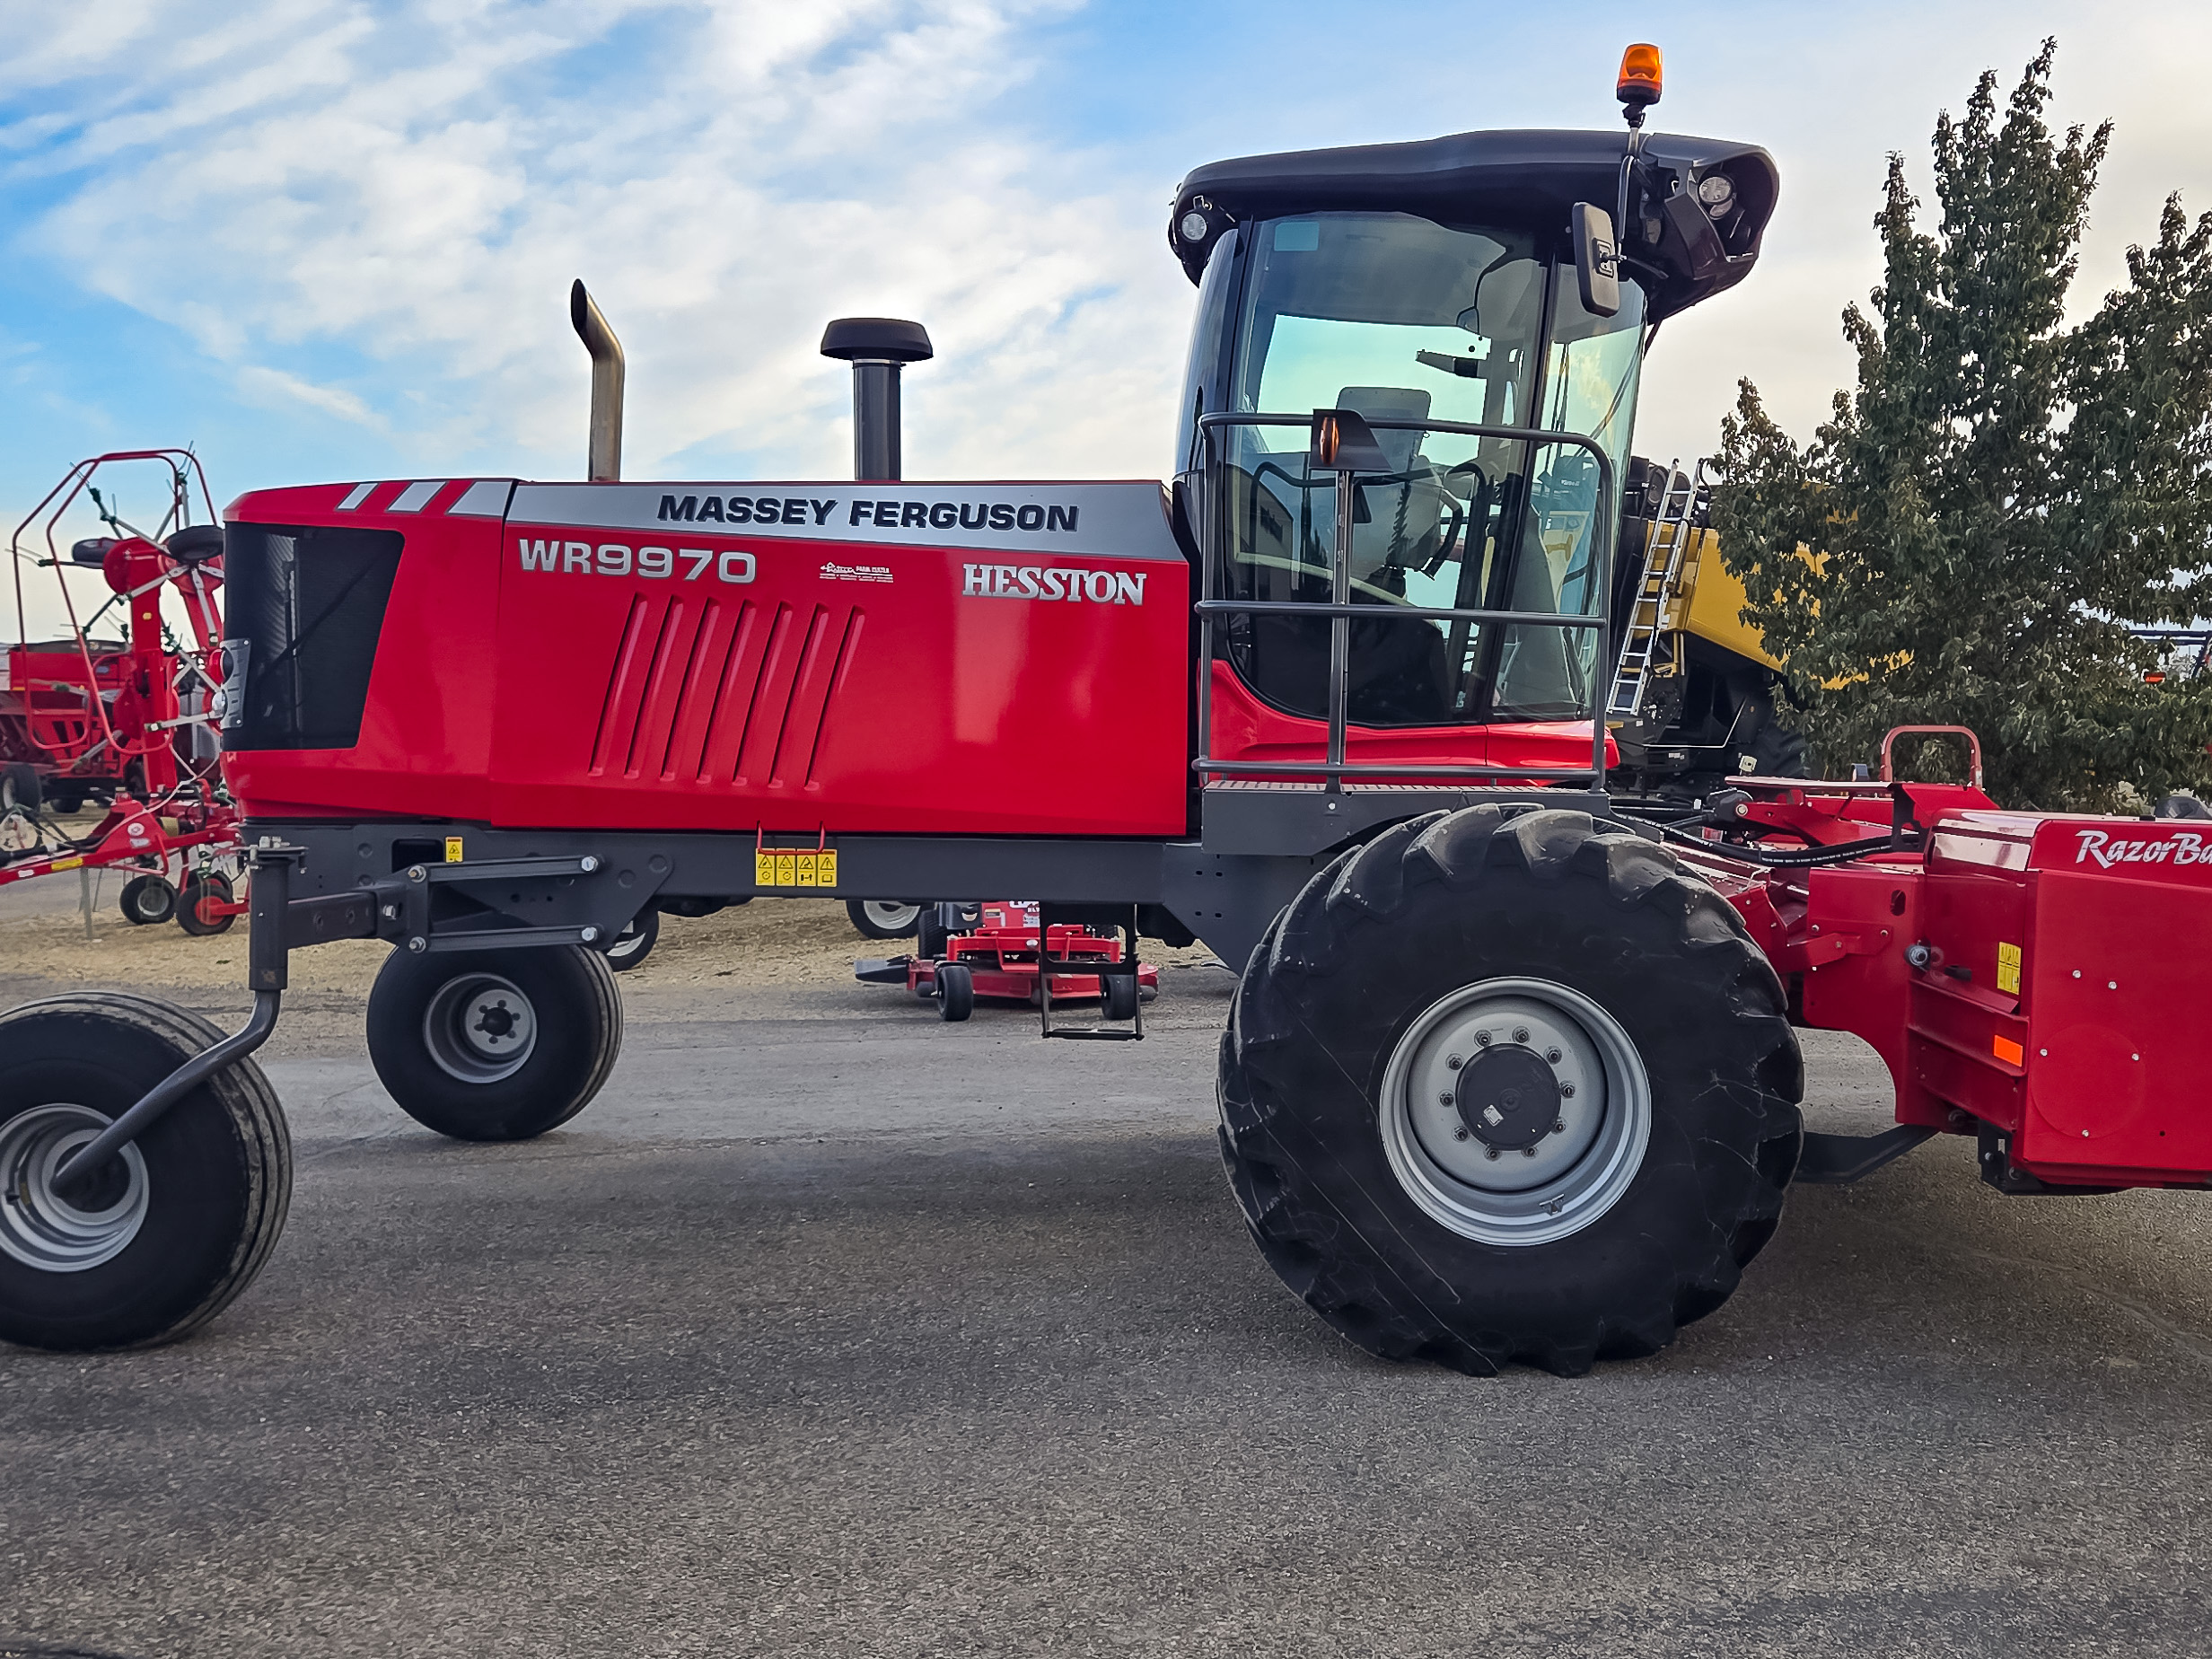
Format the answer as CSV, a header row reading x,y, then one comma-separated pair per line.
x,y
453,849
2008,969
65,863
793,867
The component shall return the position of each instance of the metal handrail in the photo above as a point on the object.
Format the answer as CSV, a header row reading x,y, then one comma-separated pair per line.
x,y
1335,770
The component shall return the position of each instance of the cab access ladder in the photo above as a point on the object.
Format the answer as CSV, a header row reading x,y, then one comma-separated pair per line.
x,y
1663,555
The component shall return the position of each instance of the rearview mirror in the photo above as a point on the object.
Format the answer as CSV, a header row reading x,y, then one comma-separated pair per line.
x,y
1597,259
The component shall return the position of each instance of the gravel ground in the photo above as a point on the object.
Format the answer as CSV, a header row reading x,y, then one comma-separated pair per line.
x,y
832,1329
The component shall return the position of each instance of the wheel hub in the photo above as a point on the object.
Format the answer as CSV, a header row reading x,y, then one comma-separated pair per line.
x,y
92,1223
1508,1097
1515,1111
480,1028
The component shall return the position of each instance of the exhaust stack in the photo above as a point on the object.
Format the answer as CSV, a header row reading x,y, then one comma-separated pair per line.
x,y
605,465
878,348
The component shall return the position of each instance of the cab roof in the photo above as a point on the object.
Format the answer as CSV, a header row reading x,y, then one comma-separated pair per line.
x,y
1527,177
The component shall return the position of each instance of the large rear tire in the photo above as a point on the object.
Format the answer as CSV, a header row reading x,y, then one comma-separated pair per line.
x,y
181,1219
1509,1087
494,1045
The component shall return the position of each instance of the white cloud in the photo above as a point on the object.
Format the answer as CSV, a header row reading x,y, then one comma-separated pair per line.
x,y
272,388
309,183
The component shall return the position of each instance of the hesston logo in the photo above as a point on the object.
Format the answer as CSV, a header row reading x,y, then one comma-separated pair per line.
x,y
2187,847
614,559
1100,587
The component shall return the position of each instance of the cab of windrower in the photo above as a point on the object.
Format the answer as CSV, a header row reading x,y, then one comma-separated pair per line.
x,y
1472,280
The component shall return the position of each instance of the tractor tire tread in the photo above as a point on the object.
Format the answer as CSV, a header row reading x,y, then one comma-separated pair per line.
x,y
1380,1292
245,1094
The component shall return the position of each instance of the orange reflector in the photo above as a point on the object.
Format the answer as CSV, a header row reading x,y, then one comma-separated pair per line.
x,y
1640,75
2007,1050
2153,678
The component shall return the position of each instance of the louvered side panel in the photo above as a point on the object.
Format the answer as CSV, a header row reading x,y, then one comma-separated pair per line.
x,y
779,676
840,669
794,745
720,629
626,685
664,685
744,679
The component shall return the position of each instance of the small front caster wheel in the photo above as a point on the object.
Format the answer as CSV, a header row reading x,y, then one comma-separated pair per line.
x,y
148,900
956,992
1120,997
199,907
635,943
177,1223
494,1045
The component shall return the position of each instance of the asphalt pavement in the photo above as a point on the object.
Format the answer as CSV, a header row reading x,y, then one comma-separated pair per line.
x,y
831,1329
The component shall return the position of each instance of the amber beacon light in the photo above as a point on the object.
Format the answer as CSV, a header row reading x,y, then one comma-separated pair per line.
x,y
1641,74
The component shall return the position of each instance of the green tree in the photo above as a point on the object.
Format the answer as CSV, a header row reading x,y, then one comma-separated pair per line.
x,y
2002,493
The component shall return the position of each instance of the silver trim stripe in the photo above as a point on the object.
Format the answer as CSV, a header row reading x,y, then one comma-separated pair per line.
x,y
361,493
415,497
485,498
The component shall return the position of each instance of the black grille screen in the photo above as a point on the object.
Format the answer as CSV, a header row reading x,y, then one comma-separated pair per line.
x,y
308,603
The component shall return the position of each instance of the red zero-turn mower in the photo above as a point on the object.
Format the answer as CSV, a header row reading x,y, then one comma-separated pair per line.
x,y
128,721
1510,1072
1000,951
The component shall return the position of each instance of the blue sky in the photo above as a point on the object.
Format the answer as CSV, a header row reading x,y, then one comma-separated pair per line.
x,y
318,239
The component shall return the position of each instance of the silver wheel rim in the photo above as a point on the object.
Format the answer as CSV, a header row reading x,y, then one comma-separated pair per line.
x,y
41,1228
628,942
480,1028
890,915
1583,1162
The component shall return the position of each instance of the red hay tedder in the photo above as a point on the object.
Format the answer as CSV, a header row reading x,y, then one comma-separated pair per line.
x,y
1511,1073
127,722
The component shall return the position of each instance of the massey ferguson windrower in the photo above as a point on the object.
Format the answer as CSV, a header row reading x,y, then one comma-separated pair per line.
x,y
1510,1073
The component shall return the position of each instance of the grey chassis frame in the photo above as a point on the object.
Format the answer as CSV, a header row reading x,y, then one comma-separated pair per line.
x,y
1259,842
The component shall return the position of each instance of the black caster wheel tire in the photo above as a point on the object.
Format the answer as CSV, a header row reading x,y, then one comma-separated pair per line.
x,y
494,1045
1509,1085
181,1220
956,993
930,934
635,943
885,918
1121,998
148,900
20,786
68,805
197,894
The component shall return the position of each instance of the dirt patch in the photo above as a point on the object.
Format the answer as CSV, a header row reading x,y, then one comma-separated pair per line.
x,y
771,942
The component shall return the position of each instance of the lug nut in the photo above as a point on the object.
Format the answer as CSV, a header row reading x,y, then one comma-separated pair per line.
x,y
1558,1125
1491,1155
1483,1039
1460,1133
1552,1055
1528,1152
1444,1099
1567,1091
1519,1033
1453,1061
